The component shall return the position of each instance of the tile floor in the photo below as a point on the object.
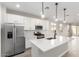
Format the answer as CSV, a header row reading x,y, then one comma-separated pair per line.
x,y
73,52
27,53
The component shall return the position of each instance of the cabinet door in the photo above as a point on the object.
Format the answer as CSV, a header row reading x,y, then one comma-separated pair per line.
x,y
27,23
21,20
10,18
13,18
38,22
33,23
17,19
28,45
46,26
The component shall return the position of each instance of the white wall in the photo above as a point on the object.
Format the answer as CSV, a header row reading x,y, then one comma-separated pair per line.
x,y
2,20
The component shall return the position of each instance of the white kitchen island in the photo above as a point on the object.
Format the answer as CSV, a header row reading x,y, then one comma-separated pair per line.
x,y
50,48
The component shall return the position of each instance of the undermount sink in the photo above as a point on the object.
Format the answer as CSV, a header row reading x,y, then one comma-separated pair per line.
x,y
50,38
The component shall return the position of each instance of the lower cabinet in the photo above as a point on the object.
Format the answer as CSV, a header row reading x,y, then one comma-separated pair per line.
x,y
28,36
27,44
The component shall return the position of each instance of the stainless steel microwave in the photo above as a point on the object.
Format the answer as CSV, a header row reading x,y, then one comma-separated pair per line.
x,y
38,27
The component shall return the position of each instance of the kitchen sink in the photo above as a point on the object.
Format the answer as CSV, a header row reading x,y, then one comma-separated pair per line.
x,y
50,38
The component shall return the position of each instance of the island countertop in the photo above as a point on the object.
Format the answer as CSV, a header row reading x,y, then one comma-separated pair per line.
x,y
46,45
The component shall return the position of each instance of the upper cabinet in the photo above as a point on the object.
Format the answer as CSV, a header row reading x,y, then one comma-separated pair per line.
x,y
32,23
40,22
46,25
17,19
28,22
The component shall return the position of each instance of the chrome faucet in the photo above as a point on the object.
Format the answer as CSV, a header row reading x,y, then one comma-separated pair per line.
x,y
55,34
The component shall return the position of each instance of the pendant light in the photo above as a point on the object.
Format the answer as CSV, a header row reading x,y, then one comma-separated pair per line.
x,y
64,15
42,15
56,4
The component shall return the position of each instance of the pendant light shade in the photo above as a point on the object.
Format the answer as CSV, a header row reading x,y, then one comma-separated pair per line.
x,y
64,15
42,15
56,4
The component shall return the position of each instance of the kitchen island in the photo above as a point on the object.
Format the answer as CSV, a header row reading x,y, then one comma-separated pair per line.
x,y
50,48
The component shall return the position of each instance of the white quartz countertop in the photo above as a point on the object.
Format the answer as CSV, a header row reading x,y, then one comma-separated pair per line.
x,y
46,45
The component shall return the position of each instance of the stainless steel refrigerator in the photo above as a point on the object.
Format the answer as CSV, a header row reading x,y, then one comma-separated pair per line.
x,y
12,39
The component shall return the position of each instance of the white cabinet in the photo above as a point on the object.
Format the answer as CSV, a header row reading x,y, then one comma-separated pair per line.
x,y
43,23
28,36
27,23
27,39
10,18
32,23
35,22
38,22
27,44
17,19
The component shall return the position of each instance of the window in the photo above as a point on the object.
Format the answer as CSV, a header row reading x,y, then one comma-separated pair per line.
x,y
74,30
60,27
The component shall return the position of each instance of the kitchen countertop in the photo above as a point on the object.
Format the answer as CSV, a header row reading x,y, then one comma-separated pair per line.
x,y
46,45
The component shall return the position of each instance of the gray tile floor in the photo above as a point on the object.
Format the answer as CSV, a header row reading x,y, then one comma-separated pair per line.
x,y
27,53
73,52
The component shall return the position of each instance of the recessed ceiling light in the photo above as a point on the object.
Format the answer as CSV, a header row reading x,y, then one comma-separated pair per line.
x,y
18,5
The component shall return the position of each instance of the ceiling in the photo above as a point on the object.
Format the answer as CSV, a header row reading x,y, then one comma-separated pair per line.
x,y
35,9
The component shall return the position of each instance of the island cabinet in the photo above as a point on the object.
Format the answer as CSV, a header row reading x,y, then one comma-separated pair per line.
x,y
50,48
